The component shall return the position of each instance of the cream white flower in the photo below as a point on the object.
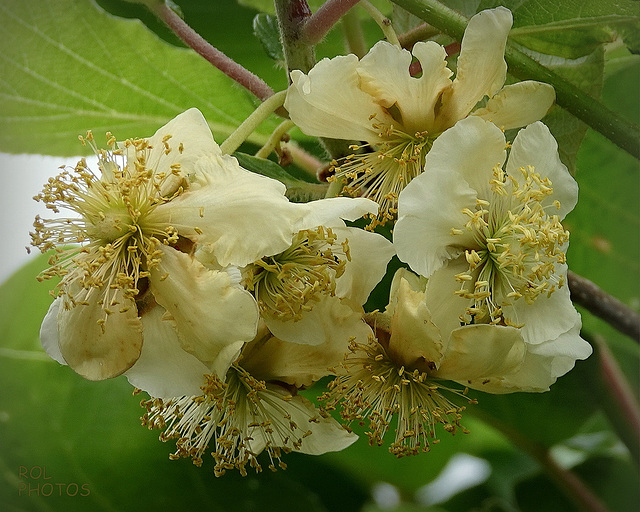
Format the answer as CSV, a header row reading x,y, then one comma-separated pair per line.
x,y
132,289
255,408
398,115
315,289
488,235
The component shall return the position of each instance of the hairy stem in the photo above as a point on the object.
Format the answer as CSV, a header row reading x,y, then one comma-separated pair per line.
x,y
621,132
292,17
323,20
601,304
229,67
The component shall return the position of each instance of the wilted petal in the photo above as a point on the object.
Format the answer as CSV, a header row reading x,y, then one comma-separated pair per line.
x,y
535,146
330,318
213,317
480,351
96,351
385,76
415,341
49,332
481,69
271,359
315,107
518,105
164,369
237,215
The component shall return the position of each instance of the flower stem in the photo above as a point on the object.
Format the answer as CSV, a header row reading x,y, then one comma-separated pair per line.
x,y
228,66
292,16
274,139
618,399
601,304
248,126
567,481
383,22
621,132
318,25
353,34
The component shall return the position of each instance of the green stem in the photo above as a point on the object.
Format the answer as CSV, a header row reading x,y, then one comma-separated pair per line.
x,y
382,21
274,139
621,132
567,481
248,126
618,399
353,34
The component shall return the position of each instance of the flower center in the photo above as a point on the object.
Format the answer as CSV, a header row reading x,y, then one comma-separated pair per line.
x,y
289,283
111,220
519,246
382,172
373,387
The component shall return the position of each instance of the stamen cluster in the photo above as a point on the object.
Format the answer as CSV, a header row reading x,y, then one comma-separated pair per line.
x,y
519,245
375,388
289,283
243,415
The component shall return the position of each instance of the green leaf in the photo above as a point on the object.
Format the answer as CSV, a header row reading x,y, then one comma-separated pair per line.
x,y
265,27
67,66
297,190
572,28
85,439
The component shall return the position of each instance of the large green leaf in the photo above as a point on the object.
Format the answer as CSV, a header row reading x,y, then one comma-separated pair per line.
x,y
572,28
67,66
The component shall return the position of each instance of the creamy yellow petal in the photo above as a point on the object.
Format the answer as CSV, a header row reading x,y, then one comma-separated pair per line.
x,y
212,316
481,69
481,351
328,102
518,104
384,74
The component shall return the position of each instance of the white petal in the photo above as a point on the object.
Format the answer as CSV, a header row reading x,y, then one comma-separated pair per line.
x,y
212,317
547,317
329,320
480,351
445,306
535,146
164,369
518,105
237,215
472,148
190,139
315,107
481,69
370,253
49,332
423,234
333,211
95,352
385,76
